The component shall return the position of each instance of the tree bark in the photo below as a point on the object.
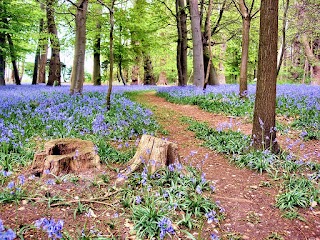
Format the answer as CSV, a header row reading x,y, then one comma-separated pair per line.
x,y
2,59
54,66
43,64
96,75
246,19
77,75
182,45
198,65
149,78
13,60
264,132
38,51
111,58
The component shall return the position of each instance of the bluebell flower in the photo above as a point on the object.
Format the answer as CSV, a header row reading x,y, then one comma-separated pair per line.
x,y
214,236
22,179
10,185
198,189
50,226
138,199
165,227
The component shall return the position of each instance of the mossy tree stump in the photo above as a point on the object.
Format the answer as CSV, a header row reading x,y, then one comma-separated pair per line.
x,y
62,156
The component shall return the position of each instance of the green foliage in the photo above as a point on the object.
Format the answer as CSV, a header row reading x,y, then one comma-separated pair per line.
x,y
298,192
176,193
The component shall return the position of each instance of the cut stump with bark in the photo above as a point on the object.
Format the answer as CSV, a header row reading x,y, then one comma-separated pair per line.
x,y
63,156
153,152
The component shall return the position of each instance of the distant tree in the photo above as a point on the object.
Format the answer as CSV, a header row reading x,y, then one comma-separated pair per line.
x,y
198,65
35,75
264,131
2,58
182,43
54,66
77,75
96,75
247,13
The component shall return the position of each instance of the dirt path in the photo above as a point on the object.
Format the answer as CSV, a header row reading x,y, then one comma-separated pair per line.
x,y
247,197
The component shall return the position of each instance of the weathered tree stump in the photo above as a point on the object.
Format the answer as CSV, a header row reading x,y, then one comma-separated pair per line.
x,y
153,152
62,156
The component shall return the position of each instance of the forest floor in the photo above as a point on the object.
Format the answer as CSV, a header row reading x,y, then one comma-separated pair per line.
x,y
247,196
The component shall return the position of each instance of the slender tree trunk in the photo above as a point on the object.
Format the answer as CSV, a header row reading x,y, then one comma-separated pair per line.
x,y
37,57
54,66
264,132
2,59
312,59
111,58
43,64
284,31
96,75
182,46
13,60
244,56
221,74
198,65
77,75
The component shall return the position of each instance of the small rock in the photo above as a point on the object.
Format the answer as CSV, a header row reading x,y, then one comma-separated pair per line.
x,y
254,187
250,224
313,204
233,175
24,202
76,198
21,209
245,237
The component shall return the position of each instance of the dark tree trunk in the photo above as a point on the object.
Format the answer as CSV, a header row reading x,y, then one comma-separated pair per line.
x,y
2,59
77,75
182,46
264,132
96,57
111,58
54,66
149,78
13,60
37,57
198,65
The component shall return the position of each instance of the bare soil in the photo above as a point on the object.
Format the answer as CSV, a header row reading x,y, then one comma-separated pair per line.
x,y
248,197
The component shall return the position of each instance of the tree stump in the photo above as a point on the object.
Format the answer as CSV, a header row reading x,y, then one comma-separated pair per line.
x,y
62,156
153,152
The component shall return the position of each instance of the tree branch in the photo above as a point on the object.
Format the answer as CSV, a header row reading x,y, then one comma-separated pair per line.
x,y
72,3
251,8
255,13
219,19
167,7
103,4
237,7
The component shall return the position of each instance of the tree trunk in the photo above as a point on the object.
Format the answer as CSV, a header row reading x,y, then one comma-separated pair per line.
x,y
149,78
13,60
198,65
312,59
246,19
43,64
111,58
2,59
96,75
54,66
37,56
264,132
212,72
221,74
284,30
182,45
77,75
